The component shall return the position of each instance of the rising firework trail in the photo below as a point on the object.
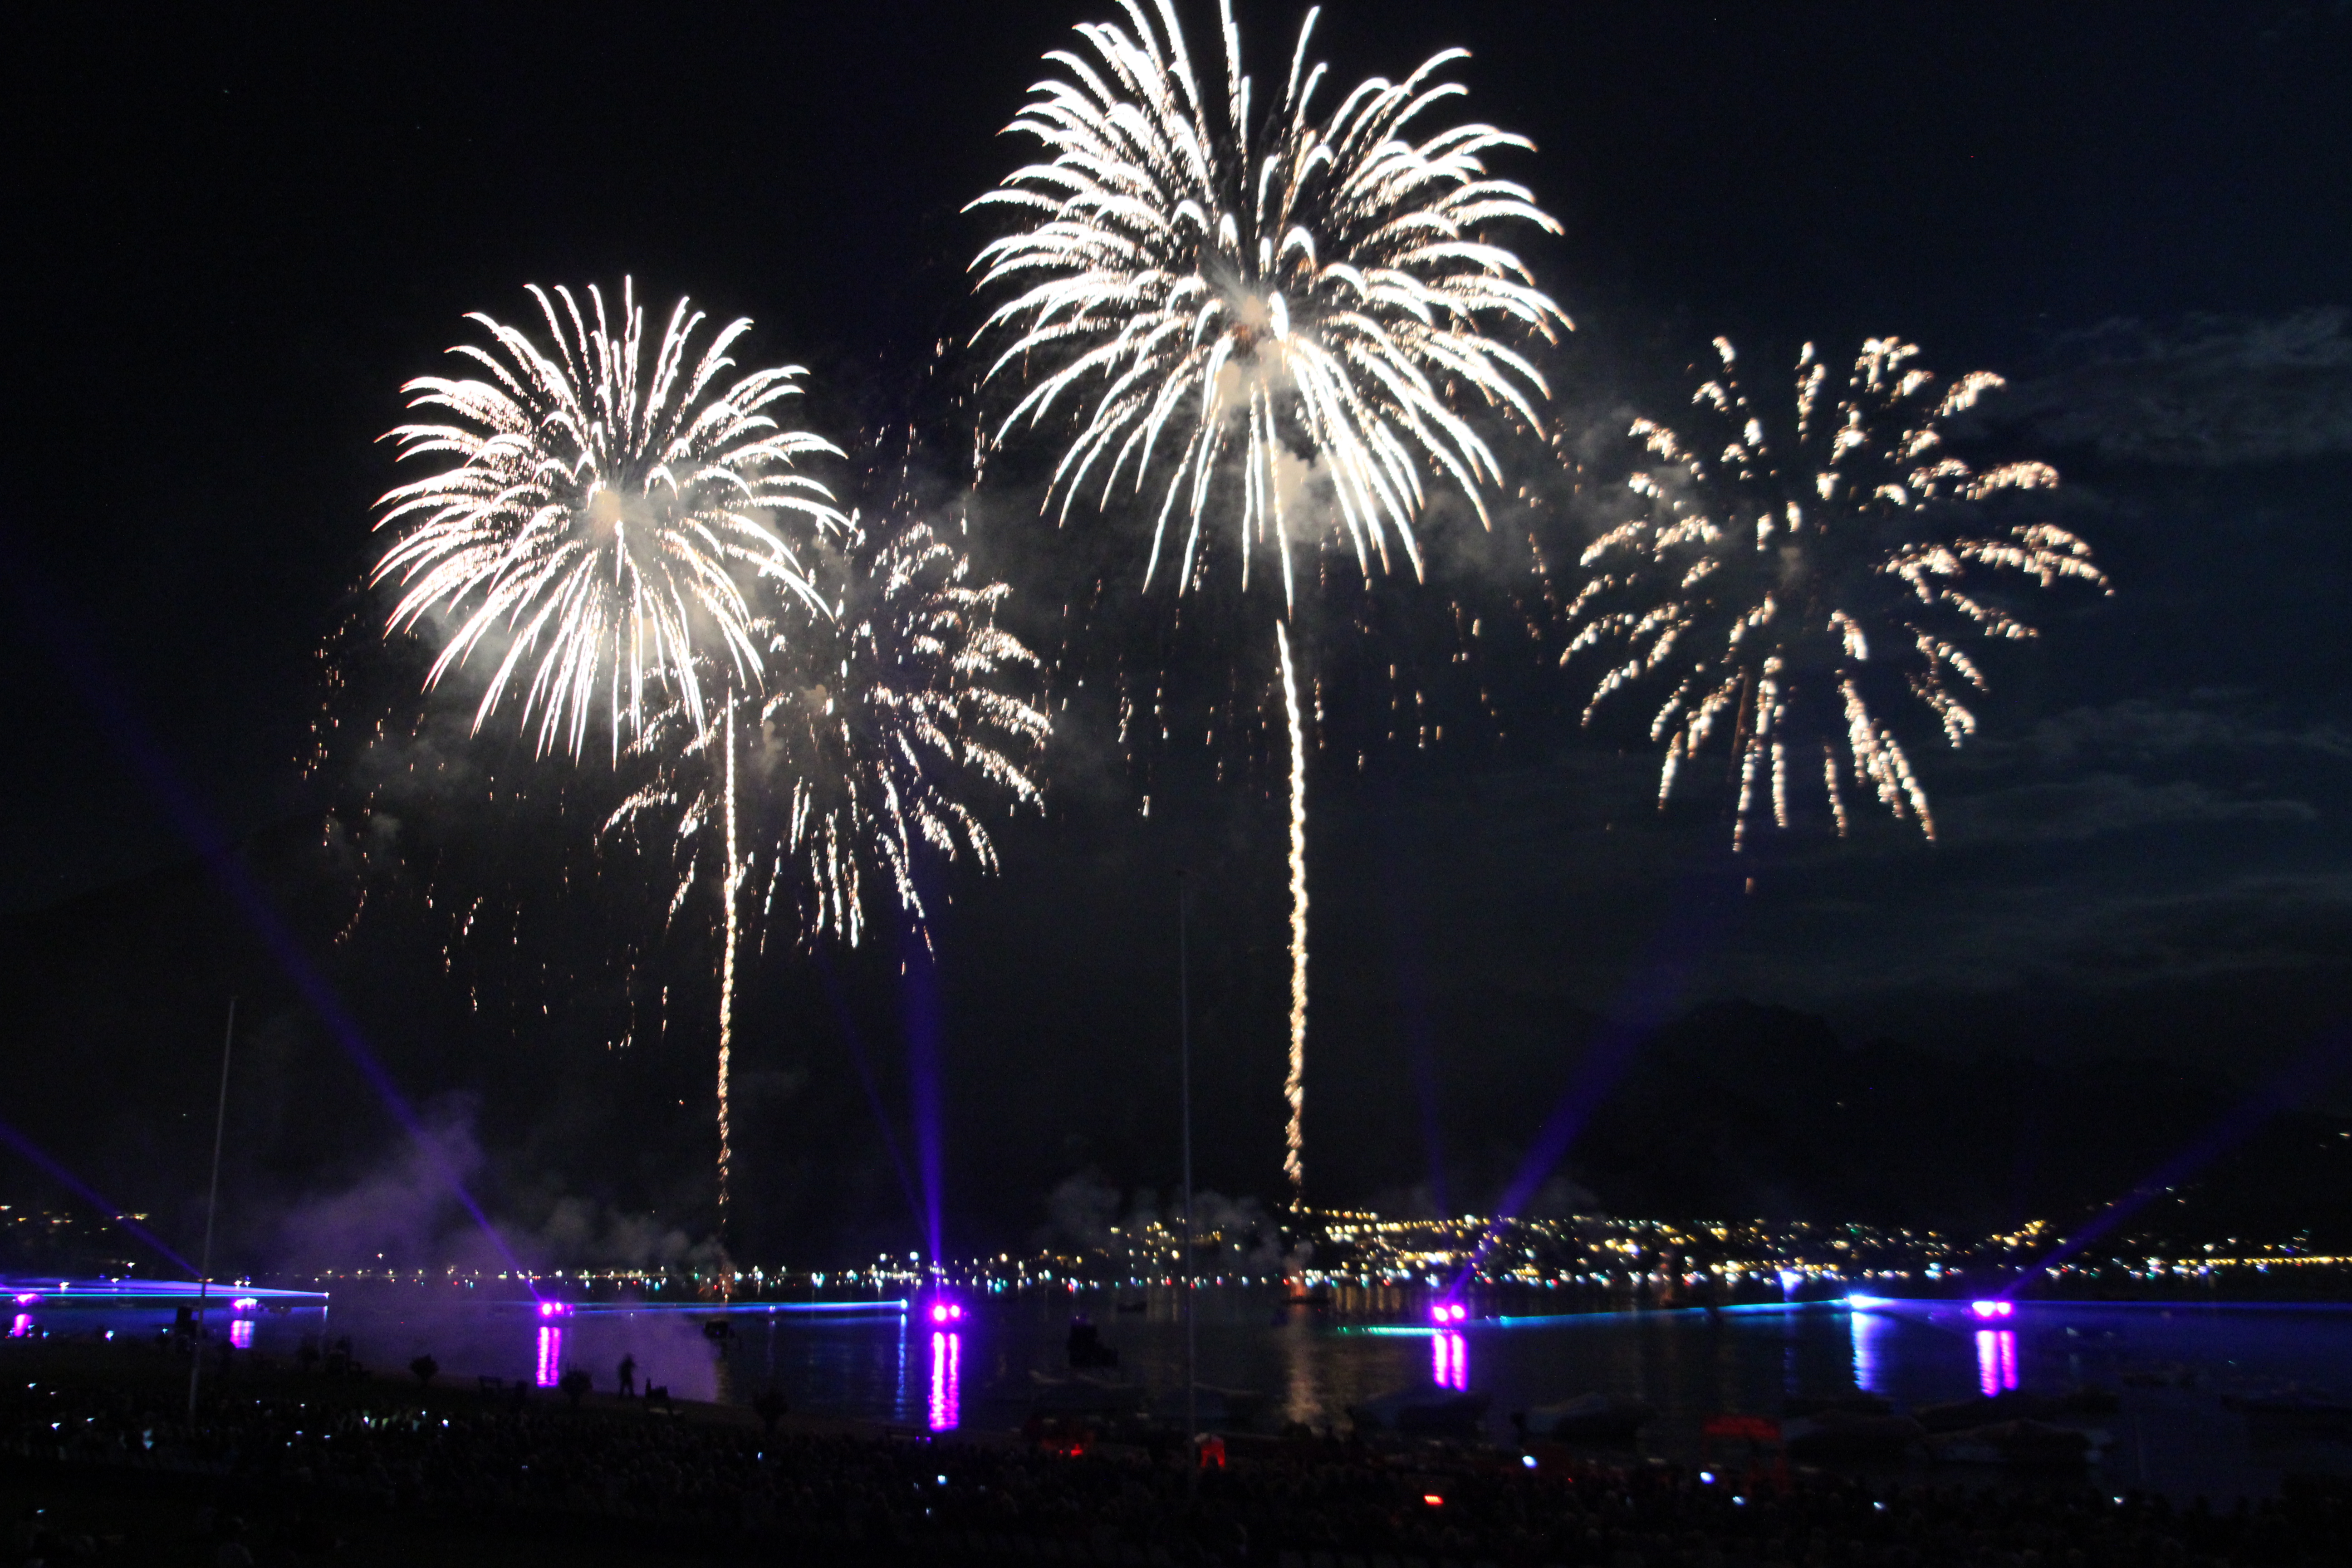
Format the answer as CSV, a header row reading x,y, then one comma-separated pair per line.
x,y
609,514
1294,1082
1792,579
610,523
884,703
1288,306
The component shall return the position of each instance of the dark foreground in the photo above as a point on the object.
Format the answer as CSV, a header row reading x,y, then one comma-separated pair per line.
x,y
282,1469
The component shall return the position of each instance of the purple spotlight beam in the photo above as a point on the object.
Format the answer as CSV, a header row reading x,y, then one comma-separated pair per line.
x,y
849,1036
1701,910
43,605
919,996
2306,1075
33,1153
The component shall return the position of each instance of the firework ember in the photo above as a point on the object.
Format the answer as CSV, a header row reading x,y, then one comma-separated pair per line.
x,y
883,703
606,517
1283,309
1791,577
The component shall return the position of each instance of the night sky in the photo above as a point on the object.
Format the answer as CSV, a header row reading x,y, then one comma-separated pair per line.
x,y
238,232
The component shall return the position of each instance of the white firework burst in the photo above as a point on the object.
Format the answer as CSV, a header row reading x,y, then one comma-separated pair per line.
x,y
1304,300
885,700
1792,576
604,517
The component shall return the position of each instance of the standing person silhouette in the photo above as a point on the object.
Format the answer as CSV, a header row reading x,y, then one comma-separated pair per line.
x,y
628,1376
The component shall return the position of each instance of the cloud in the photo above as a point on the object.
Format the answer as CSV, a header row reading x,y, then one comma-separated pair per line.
x,y
2092,804
2210,391
1086,1212
2146,729
403,1212
2028,937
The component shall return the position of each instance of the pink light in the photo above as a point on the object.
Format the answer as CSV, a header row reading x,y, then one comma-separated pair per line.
x,y
555,1309
245,1304
1993,1309
1996,1360
1449,1361
240,1334
551,1356
27,1298
22,1329
947,1380
946,1311
1448,1312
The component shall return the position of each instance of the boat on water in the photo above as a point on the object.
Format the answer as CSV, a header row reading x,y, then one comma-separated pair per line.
x,y
2021,1443
1088,1394
1218,1409
2014,1405
2287,1417
1422,1411
1591,1419
1844,1432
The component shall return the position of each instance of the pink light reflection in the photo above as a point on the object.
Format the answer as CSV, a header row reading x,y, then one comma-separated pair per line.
x,y
240,1334
550,1355
22,1329
1449,1360
947,1381
1996,1360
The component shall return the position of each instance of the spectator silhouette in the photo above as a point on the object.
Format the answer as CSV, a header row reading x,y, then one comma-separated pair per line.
x,y
628,1376
574,1383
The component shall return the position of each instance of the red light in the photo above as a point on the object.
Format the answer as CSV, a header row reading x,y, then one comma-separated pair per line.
x,y
1432,1500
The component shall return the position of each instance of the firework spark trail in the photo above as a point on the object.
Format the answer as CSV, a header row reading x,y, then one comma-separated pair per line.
x,y
1295,303
877,707
1294,1085
730,887
1793,577
603,517
1294,286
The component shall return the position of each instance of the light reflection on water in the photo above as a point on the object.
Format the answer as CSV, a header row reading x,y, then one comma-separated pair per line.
x,y
1996,1360
879,1365
947,1381
1869,1332
1449,1359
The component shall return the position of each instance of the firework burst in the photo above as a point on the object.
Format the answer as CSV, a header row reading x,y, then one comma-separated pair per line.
x,y
1296,301
1794,580
1288,307
886,700
609,505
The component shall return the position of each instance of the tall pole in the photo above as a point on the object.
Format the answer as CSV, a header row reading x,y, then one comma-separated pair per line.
x,y
1184,1090
212,1206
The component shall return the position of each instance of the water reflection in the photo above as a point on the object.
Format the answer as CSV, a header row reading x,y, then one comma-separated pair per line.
x,y
1870,1331
1996,1360
1449,1359
550,1355
947,1380
240,1333
22,1329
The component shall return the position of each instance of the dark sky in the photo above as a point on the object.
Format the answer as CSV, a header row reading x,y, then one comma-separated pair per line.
x,y
237,230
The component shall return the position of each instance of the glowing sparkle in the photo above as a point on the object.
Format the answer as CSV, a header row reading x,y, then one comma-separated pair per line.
x,y
1788,579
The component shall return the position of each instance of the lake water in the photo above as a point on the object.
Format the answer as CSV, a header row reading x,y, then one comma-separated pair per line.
x,y
2175,1367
